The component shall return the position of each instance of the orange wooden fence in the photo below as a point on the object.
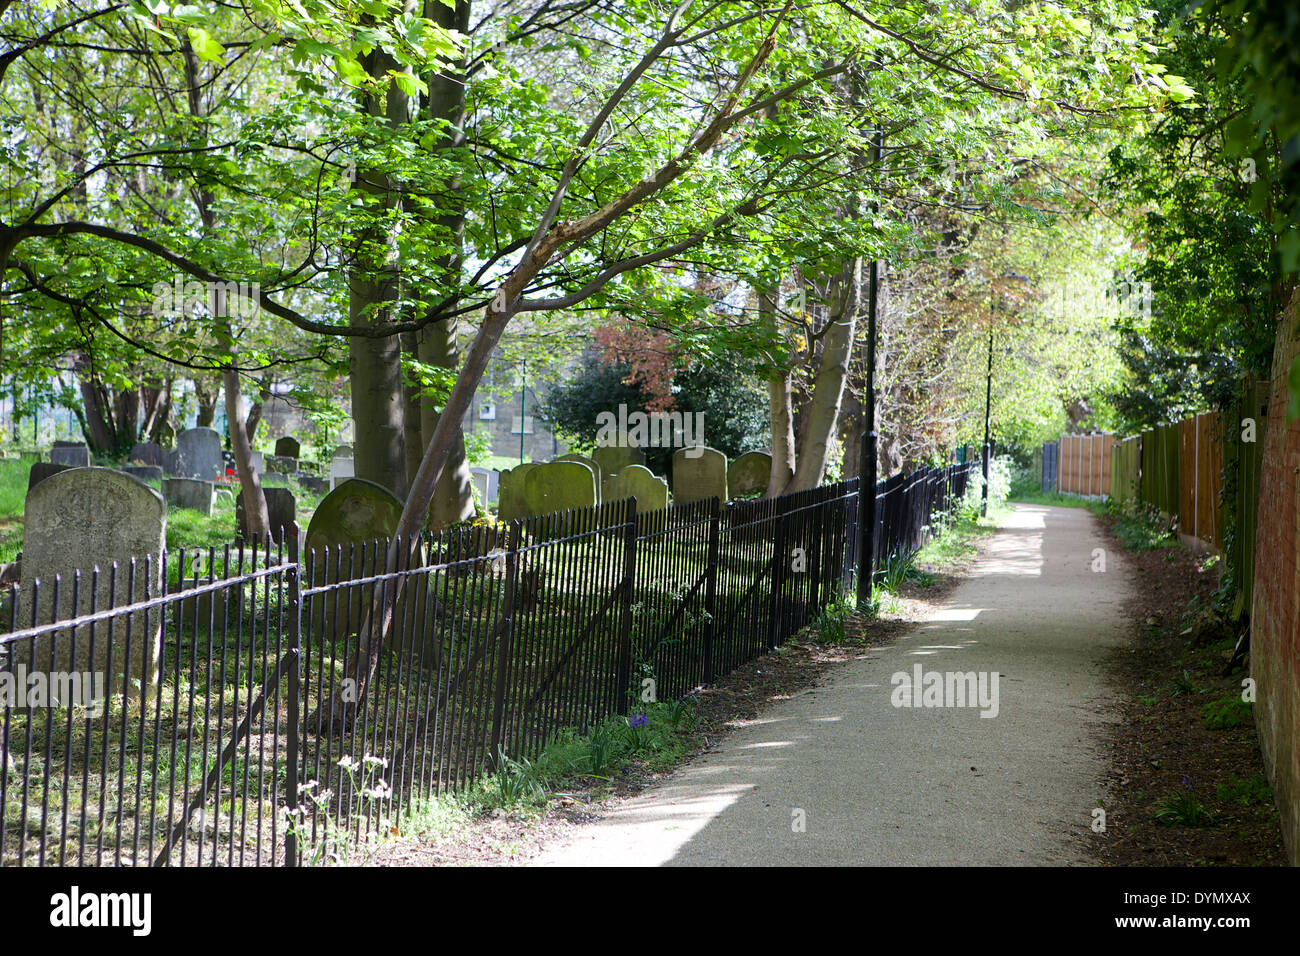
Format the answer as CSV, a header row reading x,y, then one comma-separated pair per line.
x,y
1084,467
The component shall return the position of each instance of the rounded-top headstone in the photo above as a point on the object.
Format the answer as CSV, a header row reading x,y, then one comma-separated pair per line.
x,y
357,510
86,518
590,463
639,482
510,492
749,473
614,458
200,453
287,447
699,472
558,486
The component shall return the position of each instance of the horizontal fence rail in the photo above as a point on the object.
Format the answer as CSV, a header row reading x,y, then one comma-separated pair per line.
x,y
227,708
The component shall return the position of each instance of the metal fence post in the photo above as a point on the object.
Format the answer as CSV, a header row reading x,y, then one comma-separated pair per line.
x,y
295,691
781,561
629,592
711,587
505,631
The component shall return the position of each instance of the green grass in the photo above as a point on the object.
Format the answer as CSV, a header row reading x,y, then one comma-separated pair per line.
x,y
13,494
1230,711
1095,505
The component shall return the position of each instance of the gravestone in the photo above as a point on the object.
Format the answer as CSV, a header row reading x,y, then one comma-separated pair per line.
x,y
487,480
257,461
144,472
317,486
147,453
699,472
613,458
171,463
355,511
355,514
200,454
281,465
84,518
72,455
590,463
341,469
281,507
510,492
749,473
42,470
288,447
224,498
639,482
188,493
343,451
558,486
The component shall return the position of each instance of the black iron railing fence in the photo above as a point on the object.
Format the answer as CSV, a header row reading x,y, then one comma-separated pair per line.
x,y
230,727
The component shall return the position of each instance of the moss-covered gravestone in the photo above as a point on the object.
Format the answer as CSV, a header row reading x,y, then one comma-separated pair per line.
x,y
749,474
87,518
614,458
699,472
510,492
559,486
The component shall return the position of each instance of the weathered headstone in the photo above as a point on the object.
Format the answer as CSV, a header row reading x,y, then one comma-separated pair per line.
x,y
200,453
257,461
558,486
355,511
171,463
86,518
510,492
281,507
147,453
341,545
487,480
590,463
341,469
343,451
144,472
698,473
188,493
639,482
281,465
317,486
749,473
224,497
72,455
614,458
42,470
288,447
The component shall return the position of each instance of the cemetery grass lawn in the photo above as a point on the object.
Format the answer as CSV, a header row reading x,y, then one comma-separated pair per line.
x,y
13,495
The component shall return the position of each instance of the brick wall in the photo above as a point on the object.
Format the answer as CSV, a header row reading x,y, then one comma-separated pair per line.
x,y
1275,617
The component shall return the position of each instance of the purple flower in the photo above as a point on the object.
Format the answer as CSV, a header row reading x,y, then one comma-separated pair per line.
x,y
1187,783
638,720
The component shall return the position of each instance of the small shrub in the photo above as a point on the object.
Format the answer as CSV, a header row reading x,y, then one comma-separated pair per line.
x,y
1230,711
1183,810
1245,792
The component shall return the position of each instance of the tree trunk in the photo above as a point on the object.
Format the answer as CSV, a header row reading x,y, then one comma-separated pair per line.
x,y
375,364
255,512
411,412
453,498
780,410
206,394
823,410
257,518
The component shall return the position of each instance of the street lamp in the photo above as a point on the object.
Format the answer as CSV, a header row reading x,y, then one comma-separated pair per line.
x,y
988,392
